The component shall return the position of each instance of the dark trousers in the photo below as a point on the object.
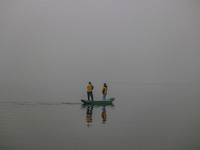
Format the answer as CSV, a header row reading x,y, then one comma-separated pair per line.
x,y
89,94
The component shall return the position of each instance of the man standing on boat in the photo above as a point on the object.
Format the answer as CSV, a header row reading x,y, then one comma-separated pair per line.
x,y
104,92
90,87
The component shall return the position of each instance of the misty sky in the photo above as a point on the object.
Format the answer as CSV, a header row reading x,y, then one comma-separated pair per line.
x,y
48,42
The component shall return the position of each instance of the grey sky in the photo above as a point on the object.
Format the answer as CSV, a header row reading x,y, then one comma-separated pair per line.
x,y
47,41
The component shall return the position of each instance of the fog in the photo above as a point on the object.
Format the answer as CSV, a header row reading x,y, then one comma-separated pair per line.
x,y
47,45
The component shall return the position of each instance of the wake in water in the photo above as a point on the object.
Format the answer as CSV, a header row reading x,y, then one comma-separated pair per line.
x,y
41,103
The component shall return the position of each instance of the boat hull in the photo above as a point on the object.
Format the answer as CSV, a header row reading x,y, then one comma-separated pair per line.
x,y
100,102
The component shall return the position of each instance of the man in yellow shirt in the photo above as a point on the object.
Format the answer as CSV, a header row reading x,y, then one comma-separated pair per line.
x,y
90,87
104,91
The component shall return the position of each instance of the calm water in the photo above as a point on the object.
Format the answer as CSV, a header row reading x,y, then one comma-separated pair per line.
x,y
144,117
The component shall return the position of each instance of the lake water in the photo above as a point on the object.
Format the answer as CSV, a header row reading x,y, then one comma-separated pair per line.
x,y
144,117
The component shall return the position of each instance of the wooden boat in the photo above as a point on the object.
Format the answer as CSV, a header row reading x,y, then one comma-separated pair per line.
x,y
98,102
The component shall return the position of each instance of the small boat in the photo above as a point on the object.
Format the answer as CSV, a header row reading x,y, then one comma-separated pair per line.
x,y
98,102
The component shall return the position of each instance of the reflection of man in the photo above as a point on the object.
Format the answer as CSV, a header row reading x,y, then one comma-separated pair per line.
x,y
89,115
103,115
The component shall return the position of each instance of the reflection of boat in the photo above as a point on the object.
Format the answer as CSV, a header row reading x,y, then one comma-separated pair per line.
x,y
89,113
99,102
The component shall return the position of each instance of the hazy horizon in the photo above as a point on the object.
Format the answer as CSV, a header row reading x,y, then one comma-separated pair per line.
x,y
54,44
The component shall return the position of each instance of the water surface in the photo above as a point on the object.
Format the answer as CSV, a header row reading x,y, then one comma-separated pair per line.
x,y
144,117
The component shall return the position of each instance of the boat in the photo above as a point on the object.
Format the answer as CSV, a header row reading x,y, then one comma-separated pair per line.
x,y
98,102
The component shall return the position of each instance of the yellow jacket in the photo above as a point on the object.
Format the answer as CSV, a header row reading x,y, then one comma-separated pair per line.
x,y
90,88
104,90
